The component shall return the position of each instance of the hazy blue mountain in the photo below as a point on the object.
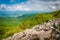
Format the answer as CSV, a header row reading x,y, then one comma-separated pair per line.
x,y
16,13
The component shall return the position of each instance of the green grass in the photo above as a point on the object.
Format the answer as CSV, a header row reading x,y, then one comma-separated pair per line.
x,y
9,26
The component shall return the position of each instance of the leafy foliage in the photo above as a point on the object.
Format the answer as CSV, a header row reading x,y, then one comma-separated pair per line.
x,y
57,14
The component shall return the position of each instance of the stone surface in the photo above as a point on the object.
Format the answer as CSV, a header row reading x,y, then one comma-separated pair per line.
x,y
46,31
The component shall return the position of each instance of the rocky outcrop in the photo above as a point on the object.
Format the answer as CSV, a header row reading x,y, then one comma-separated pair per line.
x,y
46,31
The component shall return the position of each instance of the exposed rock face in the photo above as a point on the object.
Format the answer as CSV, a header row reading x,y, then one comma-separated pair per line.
x,y
46,31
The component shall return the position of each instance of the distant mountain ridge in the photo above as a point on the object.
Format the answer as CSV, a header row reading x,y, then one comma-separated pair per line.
x,y
17,13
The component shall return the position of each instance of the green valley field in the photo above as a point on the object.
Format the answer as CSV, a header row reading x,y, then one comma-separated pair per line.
x,y
11,25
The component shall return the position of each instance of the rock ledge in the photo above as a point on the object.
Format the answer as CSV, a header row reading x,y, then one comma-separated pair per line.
x,y
46,31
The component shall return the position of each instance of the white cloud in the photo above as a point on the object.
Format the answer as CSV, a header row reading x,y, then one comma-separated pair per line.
x,y
32,5
4,7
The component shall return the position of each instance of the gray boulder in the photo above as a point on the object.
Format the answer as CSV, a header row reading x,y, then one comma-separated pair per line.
x,y
45,31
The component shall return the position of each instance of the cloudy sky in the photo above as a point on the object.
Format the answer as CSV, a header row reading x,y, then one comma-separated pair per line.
x,y
29,5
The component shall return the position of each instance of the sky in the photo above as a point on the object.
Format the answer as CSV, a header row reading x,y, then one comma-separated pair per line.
x,y
29,5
